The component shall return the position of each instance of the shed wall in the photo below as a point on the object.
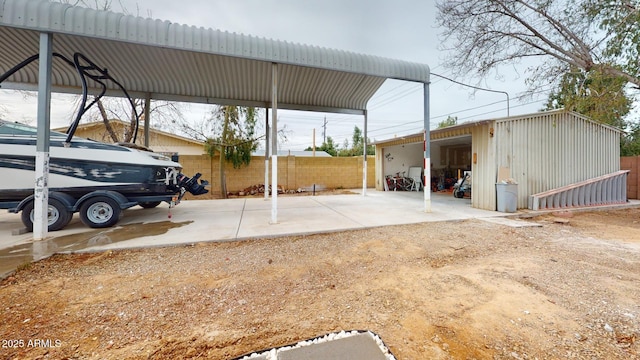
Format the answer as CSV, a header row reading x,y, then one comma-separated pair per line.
x,y
555,149
484,168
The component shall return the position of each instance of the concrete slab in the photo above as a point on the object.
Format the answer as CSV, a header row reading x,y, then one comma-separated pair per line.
x,y
352,345
357,347
242,218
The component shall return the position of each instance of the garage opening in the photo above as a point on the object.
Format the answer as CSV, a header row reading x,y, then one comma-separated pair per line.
x,y
451,160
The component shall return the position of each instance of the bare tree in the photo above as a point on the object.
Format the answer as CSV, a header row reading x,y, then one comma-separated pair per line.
x,y
164,115
591,35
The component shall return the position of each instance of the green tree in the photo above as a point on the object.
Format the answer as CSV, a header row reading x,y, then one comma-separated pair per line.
x,y
630,143
328,146
234,139
357,144
600,97
449,121
620,21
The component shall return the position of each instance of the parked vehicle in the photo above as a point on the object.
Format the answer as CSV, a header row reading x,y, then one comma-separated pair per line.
x,y
97,180
463,186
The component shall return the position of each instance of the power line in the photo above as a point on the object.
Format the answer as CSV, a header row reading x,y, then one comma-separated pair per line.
x,y
476,87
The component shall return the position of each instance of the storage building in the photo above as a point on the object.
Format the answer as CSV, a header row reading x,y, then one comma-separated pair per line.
x,y
558,159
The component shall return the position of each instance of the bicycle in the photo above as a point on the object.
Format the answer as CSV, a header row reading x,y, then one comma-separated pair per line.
x,y
402,183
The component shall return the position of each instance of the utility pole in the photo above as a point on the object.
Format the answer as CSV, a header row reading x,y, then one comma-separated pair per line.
x,y
324,131
314,142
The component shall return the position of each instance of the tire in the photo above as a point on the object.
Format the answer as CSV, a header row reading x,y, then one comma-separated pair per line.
x,y
100,212
149,204
57,215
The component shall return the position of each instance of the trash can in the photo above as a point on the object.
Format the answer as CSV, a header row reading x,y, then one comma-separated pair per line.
x,y
507,196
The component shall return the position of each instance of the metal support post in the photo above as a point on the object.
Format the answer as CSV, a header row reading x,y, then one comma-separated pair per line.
x,y
41,189
364,158
267,154
427,151
274,144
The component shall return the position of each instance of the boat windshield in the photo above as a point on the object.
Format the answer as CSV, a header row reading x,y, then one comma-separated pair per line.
x,y
17,129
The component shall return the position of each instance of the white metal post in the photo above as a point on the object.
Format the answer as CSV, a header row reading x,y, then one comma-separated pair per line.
x,y
427,151
364,158
41,190
274,144
267,153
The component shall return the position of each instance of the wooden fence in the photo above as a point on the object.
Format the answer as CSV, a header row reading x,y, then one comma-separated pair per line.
x,y
631,163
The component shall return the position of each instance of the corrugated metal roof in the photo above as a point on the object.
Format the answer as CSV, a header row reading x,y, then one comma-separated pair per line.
x,y
178,62
465,128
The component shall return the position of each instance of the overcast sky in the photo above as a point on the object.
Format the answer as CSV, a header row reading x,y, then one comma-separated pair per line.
x,y
399,29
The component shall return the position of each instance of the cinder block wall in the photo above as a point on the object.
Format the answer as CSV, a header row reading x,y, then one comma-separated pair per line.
x,y
631,163
293,172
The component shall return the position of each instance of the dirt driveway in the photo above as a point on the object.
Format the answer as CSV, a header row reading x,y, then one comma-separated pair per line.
x,y
449,290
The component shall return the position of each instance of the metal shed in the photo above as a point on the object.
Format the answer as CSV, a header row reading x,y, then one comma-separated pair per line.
x,y
157,59
558,158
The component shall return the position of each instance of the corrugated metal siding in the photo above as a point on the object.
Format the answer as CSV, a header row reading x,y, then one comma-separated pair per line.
x,y
401,140
483,173
554,149
160,57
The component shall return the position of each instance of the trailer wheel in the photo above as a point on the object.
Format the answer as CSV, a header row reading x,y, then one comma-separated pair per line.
x,y
149,204
100,212
57,215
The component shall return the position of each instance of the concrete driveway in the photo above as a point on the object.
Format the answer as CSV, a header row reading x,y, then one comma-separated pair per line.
x,y
233,219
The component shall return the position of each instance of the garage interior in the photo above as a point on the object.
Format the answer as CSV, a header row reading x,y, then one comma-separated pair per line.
x,y
450,159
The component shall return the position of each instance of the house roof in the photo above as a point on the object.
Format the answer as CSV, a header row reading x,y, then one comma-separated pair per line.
x,y
170,61
100,125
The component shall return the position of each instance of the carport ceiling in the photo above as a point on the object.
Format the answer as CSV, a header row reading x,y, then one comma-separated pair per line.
x,y
167,61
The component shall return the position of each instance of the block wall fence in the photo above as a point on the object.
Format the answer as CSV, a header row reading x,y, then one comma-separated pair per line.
x,y
293,172
324,172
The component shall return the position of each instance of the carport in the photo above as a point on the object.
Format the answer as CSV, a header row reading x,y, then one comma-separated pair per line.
x,y
155,59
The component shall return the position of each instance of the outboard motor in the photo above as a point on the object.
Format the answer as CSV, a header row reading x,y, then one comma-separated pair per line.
x,y
191,184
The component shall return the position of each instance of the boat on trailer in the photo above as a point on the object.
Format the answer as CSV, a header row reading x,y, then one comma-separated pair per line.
x,y
96,179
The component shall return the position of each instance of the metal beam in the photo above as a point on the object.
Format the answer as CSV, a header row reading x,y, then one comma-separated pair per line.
x,y
188,99
41,188
274,144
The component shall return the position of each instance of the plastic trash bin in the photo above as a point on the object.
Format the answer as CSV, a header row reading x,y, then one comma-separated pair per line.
x,y
507,196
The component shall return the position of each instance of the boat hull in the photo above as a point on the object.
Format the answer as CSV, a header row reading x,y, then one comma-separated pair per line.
x,y
83,166
77,177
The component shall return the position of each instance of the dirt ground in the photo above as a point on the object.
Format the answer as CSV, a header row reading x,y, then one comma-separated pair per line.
x,y
449,290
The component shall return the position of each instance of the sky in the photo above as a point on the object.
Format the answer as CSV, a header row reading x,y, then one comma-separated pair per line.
x,y
399,29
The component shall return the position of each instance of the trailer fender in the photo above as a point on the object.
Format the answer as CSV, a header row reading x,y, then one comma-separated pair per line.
x,y
66,199
122,201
